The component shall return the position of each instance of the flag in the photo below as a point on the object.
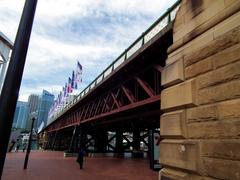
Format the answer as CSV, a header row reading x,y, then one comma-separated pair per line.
x,y
65,90
79,73
73,80
69,85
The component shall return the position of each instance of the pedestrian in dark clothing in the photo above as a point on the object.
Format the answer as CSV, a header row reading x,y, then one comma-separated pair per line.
x,y
24,147
80,157
17,147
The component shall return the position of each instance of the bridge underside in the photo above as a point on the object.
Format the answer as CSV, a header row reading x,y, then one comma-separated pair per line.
x,y
122,113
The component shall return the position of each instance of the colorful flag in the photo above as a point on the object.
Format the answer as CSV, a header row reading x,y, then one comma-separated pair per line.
x,y
73,80
65,90
78,76
69,85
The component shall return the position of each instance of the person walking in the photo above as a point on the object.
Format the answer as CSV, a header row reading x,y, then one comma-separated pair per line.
x,y
24,147
80,157
17,147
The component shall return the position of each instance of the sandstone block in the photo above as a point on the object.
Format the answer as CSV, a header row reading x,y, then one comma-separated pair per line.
x,y
198,16
172,73
227,110
226,56
173,124
227,25
197,43
221,75
172,174
198,68
214,129
222,169
224,149
183,94
179,153
222,42
220,92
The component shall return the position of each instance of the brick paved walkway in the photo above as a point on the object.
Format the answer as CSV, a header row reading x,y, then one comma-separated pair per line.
x,y
46,165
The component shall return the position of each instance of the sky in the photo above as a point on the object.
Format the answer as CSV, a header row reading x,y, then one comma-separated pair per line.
x,y
93,32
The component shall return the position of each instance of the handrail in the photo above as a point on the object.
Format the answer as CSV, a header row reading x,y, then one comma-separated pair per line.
x,y
145,37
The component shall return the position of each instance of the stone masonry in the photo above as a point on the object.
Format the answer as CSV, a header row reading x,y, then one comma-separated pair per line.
x,y
200,124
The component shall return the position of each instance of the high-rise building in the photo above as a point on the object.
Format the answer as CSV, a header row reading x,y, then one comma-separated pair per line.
x,y
33,103
45,103
20,115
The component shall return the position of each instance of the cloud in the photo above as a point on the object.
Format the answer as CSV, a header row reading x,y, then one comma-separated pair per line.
x,y
94,32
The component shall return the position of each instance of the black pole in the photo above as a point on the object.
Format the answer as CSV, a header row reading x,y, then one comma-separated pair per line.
x,y
54,141
10,90
29,146
71,142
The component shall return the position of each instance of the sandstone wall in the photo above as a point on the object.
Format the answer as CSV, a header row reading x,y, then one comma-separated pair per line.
x,y
200,126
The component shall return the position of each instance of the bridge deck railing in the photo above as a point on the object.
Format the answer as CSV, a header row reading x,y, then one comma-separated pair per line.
x,y
149,34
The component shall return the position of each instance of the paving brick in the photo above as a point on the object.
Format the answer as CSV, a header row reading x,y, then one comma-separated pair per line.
x,y
48,165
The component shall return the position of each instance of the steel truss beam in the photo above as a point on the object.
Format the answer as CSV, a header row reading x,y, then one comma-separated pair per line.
x,y
133,93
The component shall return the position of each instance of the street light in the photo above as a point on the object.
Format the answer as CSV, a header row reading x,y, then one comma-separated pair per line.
x,y
29,145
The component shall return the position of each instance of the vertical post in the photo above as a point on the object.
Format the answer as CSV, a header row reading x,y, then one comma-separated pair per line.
x,y
54,140
10,90
150,148
71,143
29,146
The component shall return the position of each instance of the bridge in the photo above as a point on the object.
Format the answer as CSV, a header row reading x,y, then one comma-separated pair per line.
x,y
180,77
125,97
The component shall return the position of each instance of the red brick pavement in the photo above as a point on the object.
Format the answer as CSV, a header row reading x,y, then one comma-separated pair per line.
x,y
47,165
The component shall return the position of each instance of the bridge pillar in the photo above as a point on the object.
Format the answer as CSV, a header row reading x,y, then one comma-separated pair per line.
x,y
136,140
119,143
200,100
136,144
101,140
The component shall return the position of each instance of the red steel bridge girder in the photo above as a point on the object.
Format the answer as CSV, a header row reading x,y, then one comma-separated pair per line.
x,y
135,92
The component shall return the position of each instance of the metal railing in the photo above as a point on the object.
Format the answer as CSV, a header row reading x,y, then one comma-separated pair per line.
x,y
150,33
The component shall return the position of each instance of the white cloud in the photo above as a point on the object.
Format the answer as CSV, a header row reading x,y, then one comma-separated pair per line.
x,y
91,31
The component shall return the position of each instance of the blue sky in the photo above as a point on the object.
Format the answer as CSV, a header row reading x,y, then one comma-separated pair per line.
x,y
94,32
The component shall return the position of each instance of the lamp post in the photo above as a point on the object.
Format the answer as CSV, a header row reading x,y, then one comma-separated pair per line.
x,y
29,145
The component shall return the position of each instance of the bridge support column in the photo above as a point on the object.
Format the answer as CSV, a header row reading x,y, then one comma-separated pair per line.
x,y
70,149
136,144
119,150
136,139
101,140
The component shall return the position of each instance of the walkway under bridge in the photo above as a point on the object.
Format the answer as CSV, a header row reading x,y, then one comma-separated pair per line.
x,y
120,110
